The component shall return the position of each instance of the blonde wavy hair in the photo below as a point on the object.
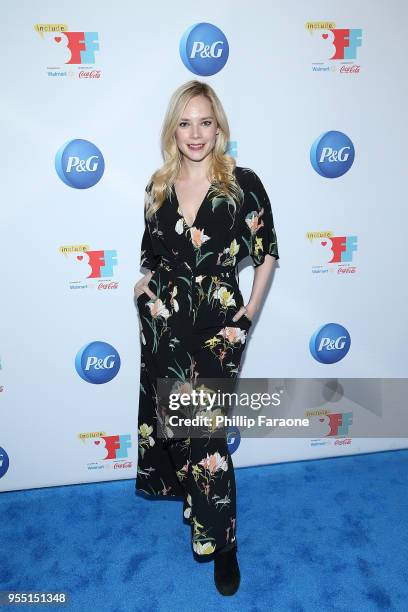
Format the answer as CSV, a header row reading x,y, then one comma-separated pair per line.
x,y
222,165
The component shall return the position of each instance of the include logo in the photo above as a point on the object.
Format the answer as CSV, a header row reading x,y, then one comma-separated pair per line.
x,y
70,51
332,154
330,343
97,362
330,423
79,164
106,452
204,49
334,253
90,269
335,49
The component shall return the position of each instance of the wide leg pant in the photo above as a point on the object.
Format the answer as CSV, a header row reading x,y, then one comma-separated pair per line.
x,y
186,339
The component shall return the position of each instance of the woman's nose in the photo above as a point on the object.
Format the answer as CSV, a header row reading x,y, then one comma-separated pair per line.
x,y
195,131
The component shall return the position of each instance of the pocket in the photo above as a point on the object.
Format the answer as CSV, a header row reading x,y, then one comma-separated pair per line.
x,y
240,302
243,321
247,319
139,297
149,285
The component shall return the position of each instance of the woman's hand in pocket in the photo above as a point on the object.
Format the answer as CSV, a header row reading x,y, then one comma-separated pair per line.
x,y
242,311
142,286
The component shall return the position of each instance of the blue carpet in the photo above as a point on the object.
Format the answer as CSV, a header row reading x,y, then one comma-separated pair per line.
x,y
322,535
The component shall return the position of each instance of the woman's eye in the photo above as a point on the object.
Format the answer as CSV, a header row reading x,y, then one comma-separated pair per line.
x,y
207,123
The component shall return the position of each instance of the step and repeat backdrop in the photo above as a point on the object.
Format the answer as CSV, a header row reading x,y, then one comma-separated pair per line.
x,y
317,108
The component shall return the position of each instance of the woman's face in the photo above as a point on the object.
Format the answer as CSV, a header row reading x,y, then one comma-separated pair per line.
x,y
196,131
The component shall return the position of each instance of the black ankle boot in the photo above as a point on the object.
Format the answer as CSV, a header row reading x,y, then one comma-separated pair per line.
x,y
226,571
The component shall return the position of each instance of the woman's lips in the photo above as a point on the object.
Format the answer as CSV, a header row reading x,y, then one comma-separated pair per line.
x,y
195,147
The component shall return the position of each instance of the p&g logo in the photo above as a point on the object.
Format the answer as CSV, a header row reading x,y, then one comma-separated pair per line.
x,y
204,49
233,439
330,343
79,163
332,154
97,362
4,462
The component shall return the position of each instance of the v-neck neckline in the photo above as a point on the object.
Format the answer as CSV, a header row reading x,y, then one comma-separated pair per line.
x,y
198,210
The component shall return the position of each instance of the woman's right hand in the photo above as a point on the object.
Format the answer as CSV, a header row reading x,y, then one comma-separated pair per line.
x,y
141,286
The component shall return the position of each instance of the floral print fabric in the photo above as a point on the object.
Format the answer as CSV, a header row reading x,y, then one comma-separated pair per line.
x,y
187,332
222,232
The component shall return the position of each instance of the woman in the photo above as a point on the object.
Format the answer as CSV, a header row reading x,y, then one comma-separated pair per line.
x,y
203,215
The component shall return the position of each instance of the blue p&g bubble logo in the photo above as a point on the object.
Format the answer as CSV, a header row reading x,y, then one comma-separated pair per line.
x,y
97,362
330,343
204,49
79,163
233,438
4,462
332,154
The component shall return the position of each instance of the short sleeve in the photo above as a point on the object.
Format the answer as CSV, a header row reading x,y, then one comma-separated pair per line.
x,y
259,230
147,256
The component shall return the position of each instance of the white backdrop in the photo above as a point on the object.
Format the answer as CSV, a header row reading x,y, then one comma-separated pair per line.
x,y
281,92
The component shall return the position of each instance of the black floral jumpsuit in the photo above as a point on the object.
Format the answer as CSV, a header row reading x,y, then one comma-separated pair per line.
x,y
188,331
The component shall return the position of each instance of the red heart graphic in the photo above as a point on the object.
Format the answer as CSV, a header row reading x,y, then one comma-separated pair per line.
x,y
324,243
57,38
80,257
325,36
97,441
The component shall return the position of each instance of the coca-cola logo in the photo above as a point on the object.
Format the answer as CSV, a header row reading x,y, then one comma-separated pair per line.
x,y
109,285
353,68
89,74
126,464
343,441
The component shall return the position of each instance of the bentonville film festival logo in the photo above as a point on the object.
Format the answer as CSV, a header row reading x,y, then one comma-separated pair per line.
x,y
334,49
90,269
332,427
69,54
106,452
331,254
